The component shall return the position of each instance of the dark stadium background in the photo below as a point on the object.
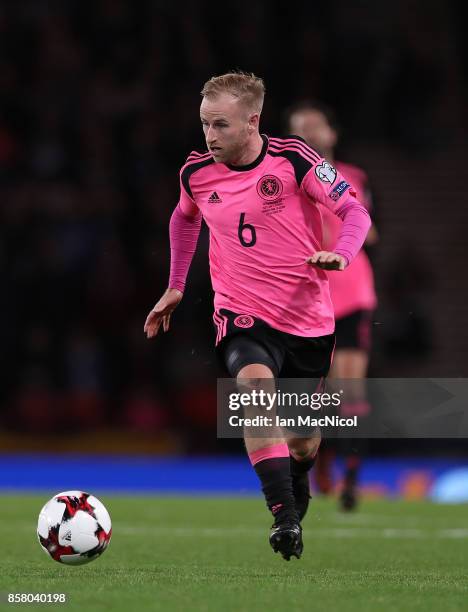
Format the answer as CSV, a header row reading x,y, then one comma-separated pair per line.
x,y
98,111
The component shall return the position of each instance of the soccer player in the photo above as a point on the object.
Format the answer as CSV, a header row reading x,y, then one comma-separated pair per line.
x,y
352,291
273,313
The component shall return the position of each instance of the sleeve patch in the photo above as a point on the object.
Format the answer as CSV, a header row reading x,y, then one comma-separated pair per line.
x,y
337,191
325,172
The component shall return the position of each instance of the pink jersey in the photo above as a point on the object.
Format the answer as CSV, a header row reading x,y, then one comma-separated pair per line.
x,y
353,288
264,222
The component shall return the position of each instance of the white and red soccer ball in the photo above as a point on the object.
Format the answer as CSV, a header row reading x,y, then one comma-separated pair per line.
x,y
74,528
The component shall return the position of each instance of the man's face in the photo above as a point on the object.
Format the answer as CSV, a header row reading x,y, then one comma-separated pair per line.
x,y
313,126
226,124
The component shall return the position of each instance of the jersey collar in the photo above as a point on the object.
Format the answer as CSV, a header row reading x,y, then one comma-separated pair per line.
x,y
255,162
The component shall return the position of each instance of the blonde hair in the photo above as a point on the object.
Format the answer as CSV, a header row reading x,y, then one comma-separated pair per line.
x,y
249,88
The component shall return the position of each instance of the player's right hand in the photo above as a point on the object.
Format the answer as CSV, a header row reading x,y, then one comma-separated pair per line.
x,y
161,313
327,260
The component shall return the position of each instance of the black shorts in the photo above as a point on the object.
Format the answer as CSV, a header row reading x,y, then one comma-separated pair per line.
x,y
354,331
244,339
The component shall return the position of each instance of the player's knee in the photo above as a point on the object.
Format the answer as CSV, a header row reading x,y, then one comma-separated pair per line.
x,y
254,378
302,448
254,375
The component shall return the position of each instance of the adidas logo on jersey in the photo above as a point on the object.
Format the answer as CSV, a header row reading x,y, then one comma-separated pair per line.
x,y
214,198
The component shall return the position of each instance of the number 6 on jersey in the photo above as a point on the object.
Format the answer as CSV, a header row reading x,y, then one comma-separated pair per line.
x,y
240,232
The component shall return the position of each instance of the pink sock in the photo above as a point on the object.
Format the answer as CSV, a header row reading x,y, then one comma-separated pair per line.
x,y
269,452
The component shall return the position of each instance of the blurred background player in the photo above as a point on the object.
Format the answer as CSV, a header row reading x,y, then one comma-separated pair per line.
x,y
259,197
352,292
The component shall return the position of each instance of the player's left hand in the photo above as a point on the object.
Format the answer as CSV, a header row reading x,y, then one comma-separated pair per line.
x,y
327,260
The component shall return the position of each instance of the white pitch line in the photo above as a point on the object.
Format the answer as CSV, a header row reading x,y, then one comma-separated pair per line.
x,y
454,533
335,533
125,529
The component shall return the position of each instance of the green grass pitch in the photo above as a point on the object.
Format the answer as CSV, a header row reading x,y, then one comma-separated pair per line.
x,y
212,554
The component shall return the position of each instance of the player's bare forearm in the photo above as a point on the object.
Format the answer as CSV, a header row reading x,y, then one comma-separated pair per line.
x,y
327,260
160,314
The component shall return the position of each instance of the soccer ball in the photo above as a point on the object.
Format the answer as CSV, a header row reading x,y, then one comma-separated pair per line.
x,y
74,528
